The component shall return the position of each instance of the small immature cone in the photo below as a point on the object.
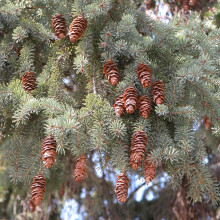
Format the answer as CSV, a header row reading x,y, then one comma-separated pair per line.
x,y
48,151
80,170
37,189
158,92
77,28
111,72
121,188
59,26
144,105
29,81
130,98
149,170
119,106
207,123
31,205
144,74
138,149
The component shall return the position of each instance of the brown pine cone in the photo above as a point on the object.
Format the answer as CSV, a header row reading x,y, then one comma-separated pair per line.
x,y
149,4
80,169
207,123
149,170
158,92
144,74
130,98
59,26
31,205
48,151
121,188
144,105
38,189
138,148
28,81
119,106
133,163
186,5
111,72
77,28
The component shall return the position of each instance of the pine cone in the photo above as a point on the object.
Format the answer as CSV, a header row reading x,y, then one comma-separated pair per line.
x,y
48,151
111,72
186,5
121,188
59,26
207,123
130,98
38,189
133,163
144,106
77,28
119,106
158,92
138,149
149,170
80,169
144,74
31,205
28,81
149,4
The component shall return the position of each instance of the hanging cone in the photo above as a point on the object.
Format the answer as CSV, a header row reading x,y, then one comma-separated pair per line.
x,y
149,170
138,149
28,81
77,28
119,106
186,5
133,163
80,169
158,92
59,26
149,4
193,3
38,189
144,105
121,188
130,98
207,123
31,206
144,74
48,151
111,72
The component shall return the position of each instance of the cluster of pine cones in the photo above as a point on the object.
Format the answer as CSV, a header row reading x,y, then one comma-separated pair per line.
x,y
129,100
76,28
48,155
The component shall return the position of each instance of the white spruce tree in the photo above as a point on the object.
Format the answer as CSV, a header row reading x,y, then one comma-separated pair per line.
x,y
81,117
